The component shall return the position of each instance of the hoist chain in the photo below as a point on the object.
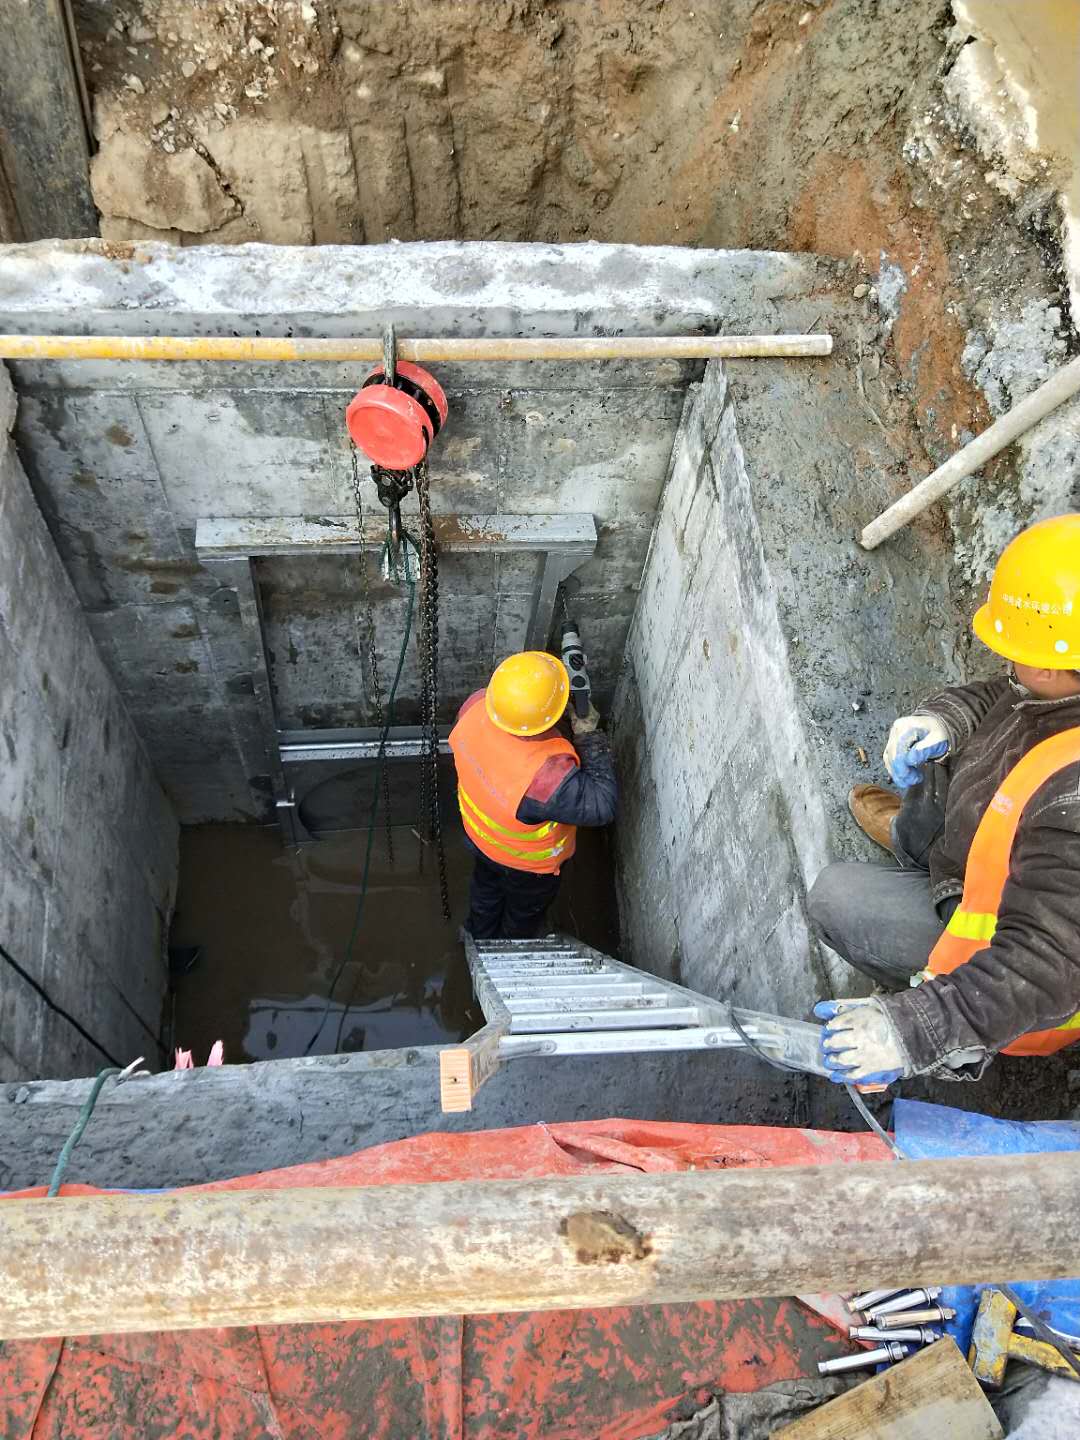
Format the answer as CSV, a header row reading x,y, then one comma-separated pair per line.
x,y
373,657
430,818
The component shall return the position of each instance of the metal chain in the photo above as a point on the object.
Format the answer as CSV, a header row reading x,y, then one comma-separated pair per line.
x,y
373,658
430,818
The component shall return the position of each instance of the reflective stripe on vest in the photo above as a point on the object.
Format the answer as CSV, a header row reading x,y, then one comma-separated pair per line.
x,y
495,771
538,834
480,834
974,922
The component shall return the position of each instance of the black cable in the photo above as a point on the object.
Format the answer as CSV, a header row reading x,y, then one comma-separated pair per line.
x,y
878,1129
856,1098
753,1046
57,1009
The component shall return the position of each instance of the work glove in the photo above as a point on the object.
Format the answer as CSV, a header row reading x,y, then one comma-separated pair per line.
x,y
913,740
585,724
860,1044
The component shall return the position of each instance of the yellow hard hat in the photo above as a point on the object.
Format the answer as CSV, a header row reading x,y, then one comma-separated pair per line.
x,y
527,693
1032,615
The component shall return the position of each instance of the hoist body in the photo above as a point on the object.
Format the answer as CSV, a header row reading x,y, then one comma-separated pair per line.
x,y
394,424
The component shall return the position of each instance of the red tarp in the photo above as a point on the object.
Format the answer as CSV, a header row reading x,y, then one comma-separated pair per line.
x,y
615,1374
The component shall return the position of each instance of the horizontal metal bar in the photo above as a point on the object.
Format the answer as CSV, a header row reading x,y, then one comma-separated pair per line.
x,y
540,959
363,348
569,985
599,1019
572,1004
519,949
227,538
619,1042
395,749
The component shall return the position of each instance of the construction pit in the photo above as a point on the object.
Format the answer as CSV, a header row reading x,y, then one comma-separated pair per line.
x,y
200,636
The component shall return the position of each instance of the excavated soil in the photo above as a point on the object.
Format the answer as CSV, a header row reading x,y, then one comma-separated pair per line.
x,y
819,125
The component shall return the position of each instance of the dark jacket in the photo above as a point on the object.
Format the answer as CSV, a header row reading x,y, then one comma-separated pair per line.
x,y
587,796
1028,977
569,794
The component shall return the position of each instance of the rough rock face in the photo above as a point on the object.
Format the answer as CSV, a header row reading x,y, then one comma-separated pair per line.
x,y
176,192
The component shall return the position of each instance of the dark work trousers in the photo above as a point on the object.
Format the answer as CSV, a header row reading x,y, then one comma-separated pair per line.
x,y
507,904
880,918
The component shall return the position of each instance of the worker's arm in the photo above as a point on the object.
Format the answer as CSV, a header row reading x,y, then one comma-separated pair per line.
x,y
1027,978
963,708
585,794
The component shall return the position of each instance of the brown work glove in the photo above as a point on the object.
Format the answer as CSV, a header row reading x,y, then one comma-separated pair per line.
x,y
585,724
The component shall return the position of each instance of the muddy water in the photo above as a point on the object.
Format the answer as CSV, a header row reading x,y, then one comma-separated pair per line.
x,y
273,925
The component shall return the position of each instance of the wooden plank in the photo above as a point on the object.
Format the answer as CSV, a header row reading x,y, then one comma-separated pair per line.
x,y
464,1068
930,1396
184,1260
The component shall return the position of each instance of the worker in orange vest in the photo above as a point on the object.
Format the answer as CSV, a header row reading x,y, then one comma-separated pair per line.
x,y
979,920
523,789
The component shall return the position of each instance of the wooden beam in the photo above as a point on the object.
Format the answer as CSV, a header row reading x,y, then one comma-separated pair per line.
x,y
290,1256
931,1396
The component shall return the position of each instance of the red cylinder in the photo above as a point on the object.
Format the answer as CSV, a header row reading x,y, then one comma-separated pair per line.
x,y
394,424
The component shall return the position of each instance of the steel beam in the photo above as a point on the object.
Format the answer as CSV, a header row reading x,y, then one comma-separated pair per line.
x,y
404,742
238,574
571,537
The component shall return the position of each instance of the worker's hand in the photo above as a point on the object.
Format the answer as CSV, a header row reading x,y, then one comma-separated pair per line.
x,y
913,740
584,724
859,1043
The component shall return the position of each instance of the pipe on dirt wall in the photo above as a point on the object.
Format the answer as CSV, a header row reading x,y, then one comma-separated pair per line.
x,y
1007,428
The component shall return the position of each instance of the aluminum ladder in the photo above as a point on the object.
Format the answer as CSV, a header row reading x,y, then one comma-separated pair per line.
x,y
557,996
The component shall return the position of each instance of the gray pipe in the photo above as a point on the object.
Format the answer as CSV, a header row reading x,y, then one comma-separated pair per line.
x,y
917,1335
906,1300
884,1355
872,1297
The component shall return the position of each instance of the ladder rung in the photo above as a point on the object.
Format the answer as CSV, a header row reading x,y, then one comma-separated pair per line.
x,y
539,972
569,1004
543,951
586,985
540,957
623,1019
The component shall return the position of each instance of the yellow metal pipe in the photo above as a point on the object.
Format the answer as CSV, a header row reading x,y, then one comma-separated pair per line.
x,y
251,347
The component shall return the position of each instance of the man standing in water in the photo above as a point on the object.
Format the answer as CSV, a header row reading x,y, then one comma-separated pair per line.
x,y
524,788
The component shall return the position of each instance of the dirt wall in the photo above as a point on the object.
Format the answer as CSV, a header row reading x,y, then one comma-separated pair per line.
x,y
884,130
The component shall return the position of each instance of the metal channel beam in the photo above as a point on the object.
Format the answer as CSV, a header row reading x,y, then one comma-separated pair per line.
x,y
571,537
404,742
238,574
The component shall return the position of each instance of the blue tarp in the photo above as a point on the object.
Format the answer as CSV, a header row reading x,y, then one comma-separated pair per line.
x,y
936,1132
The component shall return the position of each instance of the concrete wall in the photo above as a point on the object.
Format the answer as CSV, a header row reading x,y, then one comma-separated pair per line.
x,y
767,659
125,458
87,838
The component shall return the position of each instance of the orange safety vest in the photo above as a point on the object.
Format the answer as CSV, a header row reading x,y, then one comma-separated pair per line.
x,y
494,772
974,921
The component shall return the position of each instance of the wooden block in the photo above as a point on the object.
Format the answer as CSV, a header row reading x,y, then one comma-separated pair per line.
x,y
930,1396
464,1068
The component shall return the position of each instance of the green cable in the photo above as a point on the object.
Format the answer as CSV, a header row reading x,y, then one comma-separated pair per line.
x,y
380,760
80,1125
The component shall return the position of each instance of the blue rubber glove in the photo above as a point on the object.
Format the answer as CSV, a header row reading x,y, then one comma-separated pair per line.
x,y
859,1043
913,740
